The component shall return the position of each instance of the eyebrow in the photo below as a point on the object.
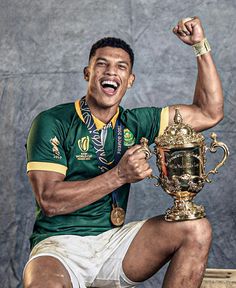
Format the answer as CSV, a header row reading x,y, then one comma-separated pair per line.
x,y
120,62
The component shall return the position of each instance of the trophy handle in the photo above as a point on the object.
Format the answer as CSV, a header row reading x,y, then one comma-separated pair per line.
x,y
148,152
145,148
213,148
157,178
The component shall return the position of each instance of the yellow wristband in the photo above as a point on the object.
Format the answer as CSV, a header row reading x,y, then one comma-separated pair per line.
x,y
201,48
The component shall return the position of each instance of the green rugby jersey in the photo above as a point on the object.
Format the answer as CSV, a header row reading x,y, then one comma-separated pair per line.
x,y
59,141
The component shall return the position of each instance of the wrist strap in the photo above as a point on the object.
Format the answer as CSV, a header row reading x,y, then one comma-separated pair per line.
x,y
201,48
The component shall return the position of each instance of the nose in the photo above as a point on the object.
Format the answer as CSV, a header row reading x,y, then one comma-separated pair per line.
x,y
111,70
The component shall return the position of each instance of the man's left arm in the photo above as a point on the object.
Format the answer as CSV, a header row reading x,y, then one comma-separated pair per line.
x,y
207,107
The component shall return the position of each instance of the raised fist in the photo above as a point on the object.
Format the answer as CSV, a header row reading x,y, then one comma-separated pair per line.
x,y
189,30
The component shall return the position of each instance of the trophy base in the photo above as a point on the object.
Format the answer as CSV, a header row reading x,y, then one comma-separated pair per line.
x,y
184,210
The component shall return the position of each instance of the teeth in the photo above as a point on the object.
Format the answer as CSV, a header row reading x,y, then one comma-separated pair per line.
x,y
107,82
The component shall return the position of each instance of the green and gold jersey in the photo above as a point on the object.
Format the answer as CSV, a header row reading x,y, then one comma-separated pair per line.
x,y
59,141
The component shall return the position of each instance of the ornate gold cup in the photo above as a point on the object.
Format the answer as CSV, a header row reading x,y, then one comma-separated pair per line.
x,y
181,158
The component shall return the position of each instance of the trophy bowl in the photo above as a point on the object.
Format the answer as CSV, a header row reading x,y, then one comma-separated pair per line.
x,y
181,158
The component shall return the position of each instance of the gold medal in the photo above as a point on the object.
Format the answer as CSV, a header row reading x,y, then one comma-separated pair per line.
x,y
117,216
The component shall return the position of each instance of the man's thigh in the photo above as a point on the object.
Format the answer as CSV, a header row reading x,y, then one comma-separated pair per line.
x,y
156,243
46,271
88,259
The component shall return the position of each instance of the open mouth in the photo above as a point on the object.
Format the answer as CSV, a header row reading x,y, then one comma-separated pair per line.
x,y
109,86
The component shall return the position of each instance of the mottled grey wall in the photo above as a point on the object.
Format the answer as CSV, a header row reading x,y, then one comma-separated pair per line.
x,y
43,48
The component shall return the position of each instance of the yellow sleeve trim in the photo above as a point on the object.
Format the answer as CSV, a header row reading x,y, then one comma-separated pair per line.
x,y
164,120
45,166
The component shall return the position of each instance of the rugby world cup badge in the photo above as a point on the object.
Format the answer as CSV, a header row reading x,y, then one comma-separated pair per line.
x,y
83,144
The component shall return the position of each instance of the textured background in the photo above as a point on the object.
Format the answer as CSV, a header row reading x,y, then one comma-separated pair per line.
x,y
43,48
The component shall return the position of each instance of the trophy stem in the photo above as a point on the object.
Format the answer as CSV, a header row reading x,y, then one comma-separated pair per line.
x,y
184,209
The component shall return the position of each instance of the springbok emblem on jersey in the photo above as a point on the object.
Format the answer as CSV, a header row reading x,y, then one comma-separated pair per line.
x,y
55,142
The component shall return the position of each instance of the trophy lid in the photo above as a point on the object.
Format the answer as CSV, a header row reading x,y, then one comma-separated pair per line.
x,y
179,134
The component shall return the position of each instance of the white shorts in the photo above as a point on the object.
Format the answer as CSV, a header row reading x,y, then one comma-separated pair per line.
x,y
92,261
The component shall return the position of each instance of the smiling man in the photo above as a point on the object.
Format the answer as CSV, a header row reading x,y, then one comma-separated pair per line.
x,y
82,158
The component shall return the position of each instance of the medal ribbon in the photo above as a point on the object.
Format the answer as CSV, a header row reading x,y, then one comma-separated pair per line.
x,y
104,165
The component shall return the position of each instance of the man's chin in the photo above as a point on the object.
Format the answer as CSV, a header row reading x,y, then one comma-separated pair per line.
x,y
106,100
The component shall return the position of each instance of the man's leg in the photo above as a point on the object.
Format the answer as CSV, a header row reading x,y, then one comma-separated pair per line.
x,y
185,243
46,271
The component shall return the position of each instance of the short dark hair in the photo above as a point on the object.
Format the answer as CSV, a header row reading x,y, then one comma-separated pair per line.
x,y
112,42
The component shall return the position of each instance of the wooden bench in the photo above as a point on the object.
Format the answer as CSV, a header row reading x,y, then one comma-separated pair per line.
x,y
219,278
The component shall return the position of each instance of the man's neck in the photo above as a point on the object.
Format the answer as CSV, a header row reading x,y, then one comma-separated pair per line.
x,y
104,114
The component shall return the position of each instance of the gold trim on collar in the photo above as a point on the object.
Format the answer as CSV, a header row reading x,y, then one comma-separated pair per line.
x,y
99,124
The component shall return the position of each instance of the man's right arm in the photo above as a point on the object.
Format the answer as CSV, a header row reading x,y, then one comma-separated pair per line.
x,y
56,196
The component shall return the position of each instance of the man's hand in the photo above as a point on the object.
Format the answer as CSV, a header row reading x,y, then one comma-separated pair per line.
x,y
133,166
189,30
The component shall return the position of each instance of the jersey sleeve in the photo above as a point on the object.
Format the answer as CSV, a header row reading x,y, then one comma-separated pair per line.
x,y
45,145
148,122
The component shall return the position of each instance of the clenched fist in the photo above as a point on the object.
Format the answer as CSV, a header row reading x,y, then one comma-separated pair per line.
x,y
189,30
133,166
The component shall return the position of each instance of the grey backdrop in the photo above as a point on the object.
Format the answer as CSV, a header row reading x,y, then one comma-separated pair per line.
x,y
44,46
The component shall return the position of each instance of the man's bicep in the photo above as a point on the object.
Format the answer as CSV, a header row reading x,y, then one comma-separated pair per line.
x,y
43,181
192,115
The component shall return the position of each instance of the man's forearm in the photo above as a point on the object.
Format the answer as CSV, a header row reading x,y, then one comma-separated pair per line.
x,y
57,197
208,94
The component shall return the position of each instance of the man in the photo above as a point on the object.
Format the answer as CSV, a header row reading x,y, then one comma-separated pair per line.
x,y
82,158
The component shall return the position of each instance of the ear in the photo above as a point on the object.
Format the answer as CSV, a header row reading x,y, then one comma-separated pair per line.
x,y
131,80
86,73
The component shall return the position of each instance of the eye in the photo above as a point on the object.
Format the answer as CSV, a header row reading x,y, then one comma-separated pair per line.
x,y
101,63
122,67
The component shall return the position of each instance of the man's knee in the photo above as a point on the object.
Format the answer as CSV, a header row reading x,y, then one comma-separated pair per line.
x,y
46,271
198,233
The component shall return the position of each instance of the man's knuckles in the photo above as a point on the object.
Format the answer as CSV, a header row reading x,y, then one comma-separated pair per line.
x,y
140,169
138,156
131,159
185,26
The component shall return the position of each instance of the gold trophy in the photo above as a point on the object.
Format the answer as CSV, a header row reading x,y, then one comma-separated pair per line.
x,y
181,158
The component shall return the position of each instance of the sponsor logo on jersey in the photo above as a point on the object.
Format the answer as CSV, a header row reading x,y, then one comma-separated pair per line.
x,y
83,145
129,138
55,143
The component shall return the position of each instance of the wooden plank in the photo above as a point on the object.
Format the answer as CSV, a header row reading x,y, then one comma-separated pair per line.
x,y
219,278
